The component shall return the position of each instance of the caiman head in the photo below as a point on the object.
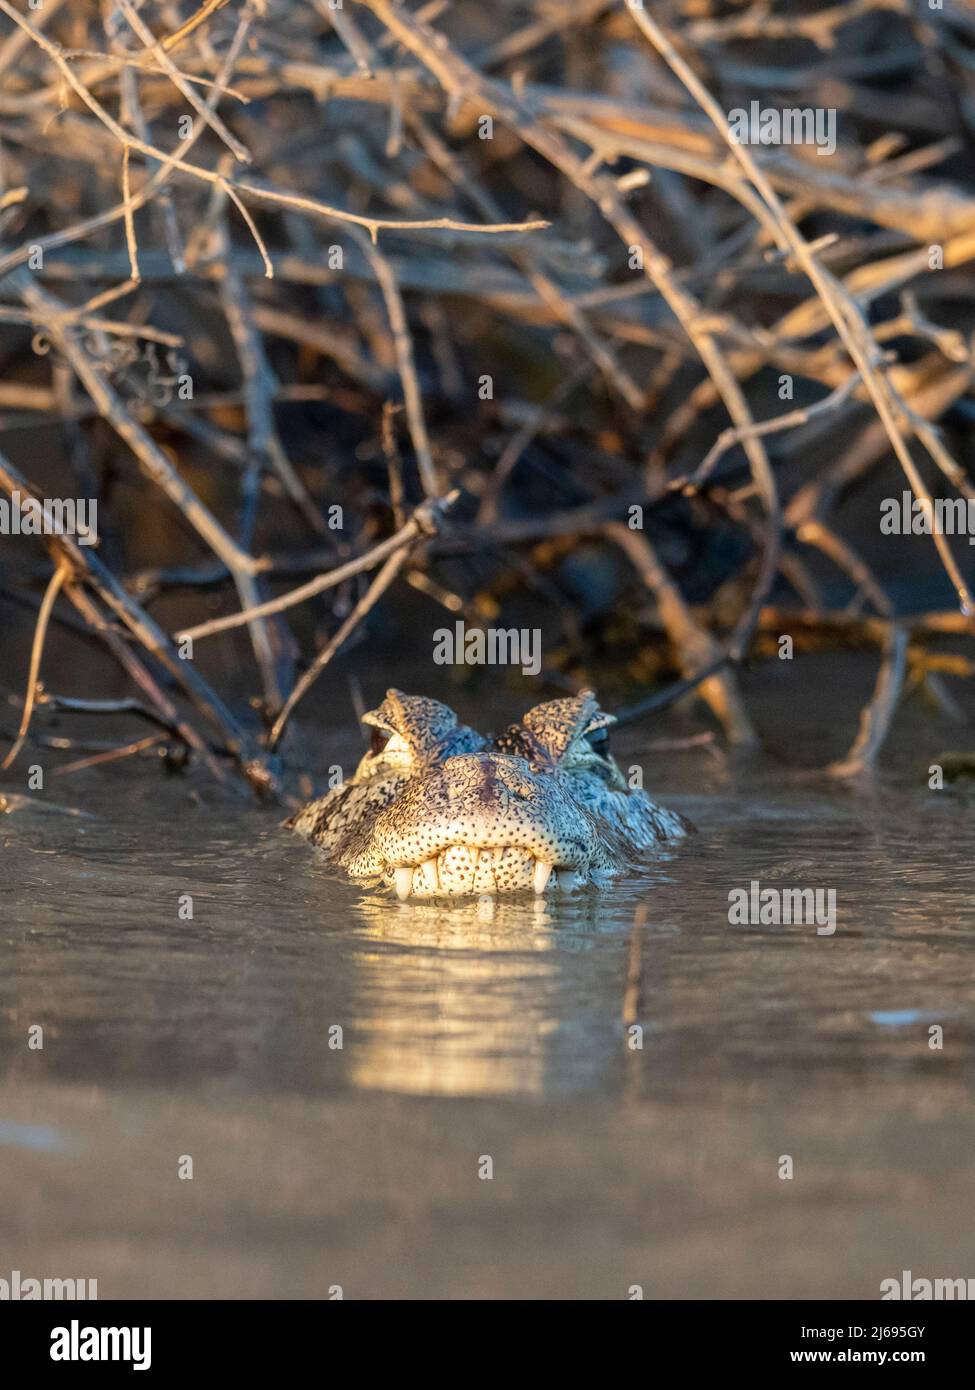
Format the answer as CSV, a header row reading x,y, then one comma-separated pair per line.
x,y
435,809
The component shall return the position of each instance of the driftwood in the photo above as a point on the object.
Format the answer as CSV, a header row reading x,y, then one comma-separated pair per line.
x,y
226,226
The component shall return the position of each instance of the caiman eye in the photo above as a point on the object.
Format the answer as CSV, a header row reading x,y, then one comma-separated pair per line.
x,y
598,741
378,739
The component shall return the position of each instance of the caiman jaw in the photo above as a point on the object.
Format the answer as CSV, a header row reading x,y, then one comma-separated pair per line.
x,y
481,824
473,870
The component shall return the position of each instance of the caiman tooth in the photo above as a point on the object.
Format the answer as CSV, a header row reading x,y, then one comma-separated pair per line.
x,y
430,877
541,875
403,878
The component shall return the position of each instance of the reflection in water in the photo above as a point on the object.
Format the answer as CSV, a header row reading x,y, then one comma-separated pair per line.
x,y
477,979
522,997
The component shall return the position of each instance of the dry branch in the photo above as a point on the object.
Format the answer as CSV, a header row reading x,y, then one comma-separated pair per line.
x,y
375,210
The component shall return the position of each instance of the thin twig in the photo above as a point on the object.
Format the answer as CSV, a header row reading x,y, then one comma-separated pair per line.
x,y
370,598
37,651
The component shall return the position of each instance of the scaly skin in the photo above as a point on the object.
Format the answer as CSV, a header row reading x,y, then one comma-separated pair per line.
x,y
436,810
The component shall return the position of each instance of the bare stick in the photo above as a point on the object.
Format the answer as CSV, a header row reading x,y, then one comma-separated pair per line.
x,y
111,755
403,344
37,651
876,719
696,647
633,993
424,521
129,220
370,598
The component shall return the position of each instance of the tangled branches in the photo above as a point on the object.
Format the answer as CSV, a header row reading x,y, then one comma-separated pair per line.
x,y
486,299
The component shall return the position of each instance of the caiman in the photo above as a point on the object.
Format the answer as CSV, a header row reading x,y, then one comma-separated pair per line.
x,y
436,809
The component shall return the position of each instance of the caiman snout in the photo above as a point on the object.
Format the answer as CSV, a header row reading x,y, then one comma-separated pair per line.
x,y
482,823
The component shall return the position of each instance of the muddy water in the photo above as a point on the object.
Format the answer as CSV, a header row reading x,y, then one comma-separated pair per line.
x,y
338,1065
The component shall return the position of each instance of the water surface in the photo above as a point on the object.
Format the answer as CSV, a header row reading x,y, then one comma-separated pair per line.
x,y
337,1063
